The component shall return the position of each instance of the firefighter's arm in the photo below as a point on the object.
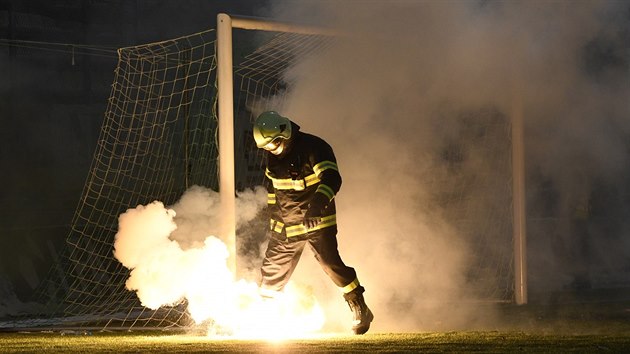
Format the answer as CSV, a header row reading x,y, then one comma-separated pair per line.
x,y
325,167
272,206
330,183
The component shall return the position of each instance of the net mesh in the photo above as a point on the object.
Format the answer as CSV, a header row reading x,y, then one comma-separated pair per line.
x,y
159,137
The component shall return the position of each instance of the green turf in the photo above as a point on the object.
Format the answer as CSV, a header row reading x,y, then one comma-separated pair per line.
x,y
454,342
563,324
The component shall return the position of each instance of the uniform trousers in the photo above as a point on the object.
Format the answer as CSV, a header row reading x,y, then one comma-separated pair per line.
x,y
283,255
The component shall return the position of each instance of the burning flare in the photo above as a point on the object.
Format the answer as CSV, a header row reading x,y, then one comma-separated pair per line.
x,y
164,274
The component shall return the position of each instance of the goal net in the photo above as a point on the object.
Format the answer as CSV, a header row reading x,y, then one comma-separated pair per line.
x,y
159,137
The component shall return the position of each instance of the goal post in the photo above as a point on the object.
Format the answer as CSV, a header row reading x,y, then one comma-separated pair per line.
x,y
518,196
225,24
225,94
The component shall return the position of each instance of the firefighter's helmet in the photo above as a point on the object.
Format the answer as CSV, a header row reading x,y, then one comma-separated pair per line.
x,y
271,127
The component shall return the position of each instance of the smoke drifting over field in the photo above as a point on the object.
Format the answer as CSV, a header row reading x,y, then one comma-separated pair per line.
x,y
404,80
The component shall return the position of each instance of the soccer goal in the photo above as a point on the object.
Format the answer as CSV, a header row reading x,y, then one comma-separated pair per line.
x,y
173,121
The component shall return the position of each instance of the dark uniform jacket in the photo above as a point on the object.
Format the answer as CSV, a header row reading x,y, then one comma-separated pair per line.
x,y
308,166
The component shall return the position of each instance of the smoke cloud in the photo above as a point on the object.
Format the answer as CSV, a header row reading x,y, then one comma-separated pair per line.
x,y
173,253
402,88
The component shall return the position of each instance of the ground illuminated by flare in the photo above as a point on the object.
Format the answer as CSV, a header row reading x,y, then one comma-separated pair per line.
x,y
294,314
163,274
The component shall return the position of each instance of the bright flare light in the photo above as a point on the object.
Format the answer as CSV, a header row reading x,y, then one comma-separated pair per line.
x,y
163,274
293,314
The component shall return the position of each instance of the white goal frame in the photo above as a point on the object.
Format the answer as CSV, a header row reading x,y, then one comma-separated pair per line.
x,y
225,78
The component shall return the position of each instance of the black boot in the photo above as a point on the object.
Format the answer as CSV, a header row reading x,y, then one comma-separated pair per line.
x,y
361,314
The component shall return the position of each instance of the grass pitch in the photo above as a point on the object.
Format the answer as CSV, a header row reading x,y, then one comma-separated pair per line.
x,y
565,324
453,342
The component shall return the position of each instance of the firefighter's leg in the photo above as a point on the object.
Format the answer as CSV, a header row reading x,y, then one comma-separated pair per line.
x,y
324,246
280,261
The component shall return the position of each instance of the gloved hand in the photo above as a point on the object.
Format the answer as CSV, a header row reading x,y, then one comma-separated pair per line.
x,y
314,213
312,218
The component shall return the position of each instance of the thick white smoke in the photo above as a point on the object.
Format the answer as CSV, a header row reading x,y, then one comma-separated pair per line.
x,y
392,91
173,254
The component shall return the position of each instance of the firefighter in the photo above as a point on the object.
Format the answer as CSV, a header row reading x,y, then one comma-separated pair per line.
x,y
302,181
